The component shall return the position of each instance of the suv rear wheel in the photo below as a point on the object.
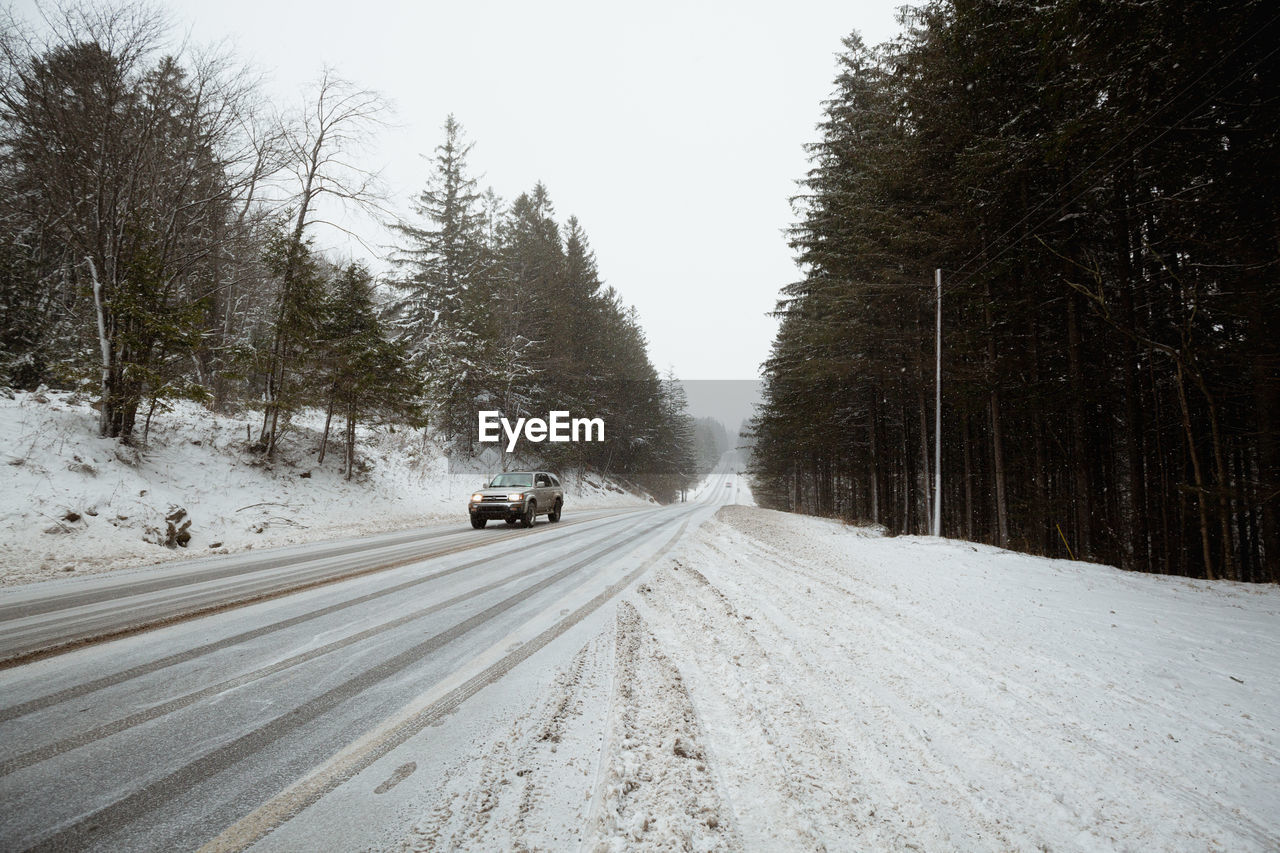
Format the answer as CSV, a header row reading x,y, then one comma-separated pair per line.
x,y
554,515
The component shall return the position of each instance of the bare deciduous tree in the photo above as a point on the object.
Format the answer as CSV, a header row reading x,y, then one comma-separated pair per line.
x,y
319,144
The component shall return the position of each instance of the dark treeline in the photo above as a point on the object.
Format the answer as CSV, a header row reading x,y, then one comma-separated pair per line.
x,y
712,441
1098,183
157,242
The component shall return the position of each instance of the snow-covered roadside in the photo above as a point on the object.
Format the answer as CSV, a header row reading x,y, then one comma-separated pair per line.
x,y
610,751
782,682
74,502
862,692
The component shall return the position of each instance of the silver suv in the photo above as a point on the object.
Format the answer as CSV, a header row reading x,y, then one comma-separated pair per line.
x,y
517,497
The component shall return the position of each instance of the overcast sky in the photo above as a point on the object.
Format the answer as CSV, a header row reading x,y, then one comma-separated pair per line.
x,y
673,131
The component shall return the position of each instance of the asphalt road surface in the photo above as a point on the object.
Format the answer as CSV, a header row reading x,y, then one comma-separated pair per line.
x,y
209,702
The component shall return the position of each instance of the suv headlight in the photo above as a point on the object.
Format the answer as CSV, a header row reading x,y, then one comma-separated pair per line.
x,y
516,496
476,498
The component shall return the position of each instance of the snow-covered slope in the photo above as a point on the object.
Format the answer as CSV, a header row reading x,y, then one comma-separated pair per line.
x,y
74,502
791,683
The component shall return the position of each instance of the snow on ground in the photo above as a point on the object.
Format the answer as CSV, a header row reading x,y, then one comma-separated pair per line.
x,y
783,682
74,502
724,477
611,751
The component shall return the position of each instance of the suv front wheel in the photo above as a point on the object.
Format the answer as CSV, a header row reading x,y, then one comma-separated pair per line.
x,y
530,513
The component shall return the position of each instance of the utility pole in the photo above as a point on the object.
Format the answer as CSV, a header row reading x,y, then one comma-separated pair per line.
x,y
937,421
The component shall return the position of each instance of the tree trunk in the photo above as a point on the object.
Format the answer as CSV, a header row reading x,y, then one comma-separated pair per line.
x,y
266,438
274,435
351,443
1224,481
906,475
1138,543
997,445
1162,459
1267,398
1201,497
146,426
104,344
968,477
1079,447
324,439
1243,518
875,464
1039,497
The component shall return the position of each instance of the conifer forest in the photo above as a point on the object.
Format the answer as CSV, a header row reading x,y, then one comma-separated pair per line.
x,y
162,237
1097,183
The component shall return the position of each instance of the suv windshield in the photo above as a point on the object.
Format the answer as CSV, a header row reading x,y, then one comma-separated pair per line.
x,y
506,480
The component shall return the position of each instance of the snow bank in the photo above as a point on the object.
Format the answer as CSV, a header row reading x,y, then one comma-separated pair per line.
x,y
74,502
864,692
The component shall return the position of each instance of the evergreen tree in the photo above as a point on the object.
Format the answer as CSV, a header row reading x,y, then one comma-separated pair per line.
x,y
439,307
117,184
1091,180
366,377
444,254
287,350
529,291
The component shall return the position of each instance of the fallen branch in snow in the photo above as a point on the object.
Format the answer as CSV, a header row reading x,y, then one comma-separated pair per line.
x,y
66,529
264,503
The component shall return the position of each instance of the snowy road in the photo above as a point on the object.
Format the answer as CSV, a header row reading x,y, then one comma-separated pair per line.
x,y
166,738
704,676
39,619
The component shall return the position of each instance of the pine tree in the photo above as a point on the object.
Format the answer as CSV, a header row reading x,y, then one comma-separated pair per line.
x,y
444,254
444,303
117,181
296,318
580,351
366,377
1091,179
530,287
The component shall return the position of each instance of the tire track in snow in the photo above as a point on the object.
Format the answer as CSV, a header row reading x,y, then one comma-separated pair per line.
x,y
812,791
14,711
1180,717
656,790
52,750
359,756
936,807
520,794
151,795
